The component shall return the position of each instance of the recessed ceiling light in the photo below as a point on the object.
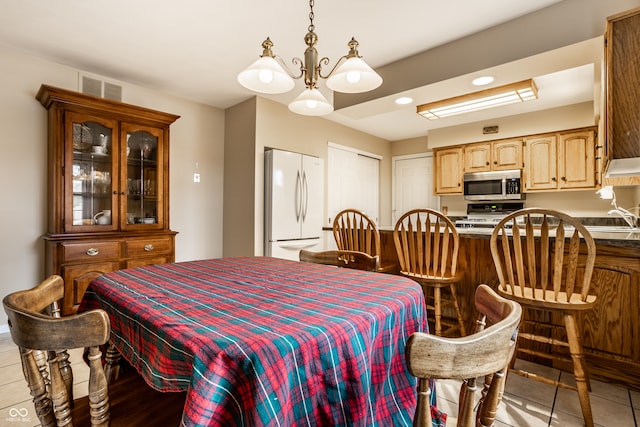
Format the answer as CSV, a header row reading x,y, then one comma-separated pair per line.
x,y
483,80
404,100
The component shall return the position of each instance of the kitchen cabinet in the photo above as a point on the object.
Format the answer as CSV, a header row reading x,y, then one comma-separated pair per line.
x,y
448,170
564,160
540,162
491,156
622,94
108,188
622,55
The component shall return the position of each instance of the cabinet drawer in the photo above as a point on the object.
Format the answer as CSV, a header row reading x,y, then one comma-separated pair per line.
x,y
149,247
90,251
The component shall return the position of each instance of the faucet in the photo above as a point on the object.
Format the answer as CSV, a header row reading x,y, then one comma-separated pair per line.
x,y
629,218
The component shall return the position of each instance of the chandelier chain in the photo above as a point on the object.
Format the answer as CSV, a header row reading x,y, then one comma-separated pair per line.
x,y
311,16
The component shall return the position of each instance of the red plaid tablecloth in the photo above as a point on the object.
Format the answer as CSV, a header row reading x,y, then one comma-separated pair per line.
x,y
268,342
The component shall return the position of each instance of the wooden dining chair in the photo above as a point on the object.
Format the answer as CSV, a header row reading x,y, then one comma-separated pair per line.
x,y
485,353
427,245
347,259
44,337
354,230
544,260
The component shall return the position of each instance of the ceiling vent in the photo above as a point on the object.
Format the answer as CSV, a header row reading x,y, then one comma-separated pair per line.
x,y
95,86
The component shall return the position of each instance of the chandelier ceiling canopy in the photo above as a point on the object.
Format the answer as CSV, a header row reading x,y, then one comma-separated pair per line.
x,y
270,75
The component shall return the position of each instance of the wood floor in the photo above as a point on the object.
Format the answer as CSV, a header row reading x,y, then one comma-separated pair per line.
x,y
526,403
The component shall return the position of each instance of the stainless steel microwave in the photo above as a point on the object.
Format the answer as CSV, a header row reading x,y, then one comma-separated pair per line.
x,y
494,185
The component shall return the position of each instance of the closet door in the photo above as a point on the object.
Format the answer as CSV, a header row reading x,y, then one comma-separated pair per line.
x,y
353,182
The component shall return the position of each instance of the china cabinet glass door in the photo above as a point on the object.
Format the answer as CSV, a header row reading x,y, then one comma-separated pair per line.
x,y
142,175
91,158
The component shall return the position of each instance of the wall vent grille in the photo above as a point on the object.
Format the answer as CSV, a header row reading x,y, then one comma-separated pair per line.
x,y
95,86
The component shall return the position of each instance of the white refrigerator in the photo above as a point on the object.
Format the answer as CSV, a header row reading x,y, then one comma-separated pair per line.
x,y
293,203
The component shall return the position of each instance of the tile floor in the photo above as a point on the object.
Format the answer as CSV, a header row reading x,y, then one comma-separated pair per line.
x,y
526,403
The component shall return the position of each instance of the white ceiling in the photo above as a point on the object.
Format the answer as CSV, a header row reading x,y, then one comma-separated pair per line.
x,y
195,49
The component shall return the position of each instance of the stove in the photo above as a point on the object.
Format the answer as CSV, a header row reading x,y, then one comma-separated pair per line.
x,y
487,215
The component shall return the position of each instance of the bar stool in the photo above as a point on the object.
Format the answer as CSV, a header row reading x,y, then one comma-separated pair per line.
x,y
537,254
356,231
427,245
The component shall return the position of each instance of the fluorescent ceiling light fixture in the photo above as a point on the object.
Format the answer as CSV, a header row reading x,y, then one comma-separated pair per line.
x,y
404,100
350,74
482,80
525,90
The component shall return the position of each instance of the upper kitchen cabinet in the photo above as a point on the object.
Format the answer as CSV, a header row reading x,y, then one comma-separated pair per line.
x,y
108,188
558,161
448,170
622,39
490,156
540,162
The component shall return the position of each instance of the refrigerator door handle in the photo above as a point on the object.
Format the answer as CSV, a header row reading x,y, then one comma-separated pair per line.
x,y
298,198
305,198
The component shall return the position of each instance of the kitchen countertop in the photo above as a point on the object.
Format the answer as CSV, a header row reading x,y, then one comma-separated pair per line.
x,y
605,235
619,237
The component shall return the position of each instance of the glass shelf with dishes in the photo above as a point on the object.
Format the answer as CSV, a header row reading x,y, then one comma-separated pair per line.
x,y
91,174
142,183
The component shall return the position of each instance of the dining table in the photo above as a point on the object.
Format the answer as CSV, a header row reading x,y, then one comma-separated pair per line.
x,y
261,341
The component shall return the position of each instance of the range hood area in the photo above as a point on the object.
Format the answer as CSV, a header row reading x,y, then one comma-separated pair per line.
x,y
619,168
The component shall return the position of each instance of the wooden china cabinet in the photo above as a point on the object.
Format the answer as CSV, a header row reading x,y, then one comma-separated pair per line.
x,y
108,190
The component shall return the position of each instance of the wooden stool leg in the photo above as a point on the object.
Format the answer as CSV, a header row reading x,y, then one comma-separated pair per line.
x,y
466,402
66,372
38,388
491,398
98,390
423,409
59,395
437,308
454,297
579,367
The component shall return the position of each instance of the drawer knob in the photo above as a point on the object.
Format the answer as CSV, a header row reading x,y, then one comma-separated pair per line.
x,y
148,247
92,251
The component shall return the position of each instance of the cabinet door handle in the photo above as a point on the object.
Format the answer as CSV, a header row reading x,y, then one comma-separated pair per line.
x,y
553,179
92,251
563,178
148,247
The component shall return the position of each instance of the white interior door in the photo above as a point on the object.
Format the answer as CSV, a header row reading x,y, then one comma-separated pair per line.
x,y
353,182
368,186
413,184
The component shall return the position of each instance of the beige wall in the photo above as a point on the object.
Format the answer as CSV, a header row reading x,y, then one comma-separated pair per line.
x,y
196,209
410,146
277,127
239,179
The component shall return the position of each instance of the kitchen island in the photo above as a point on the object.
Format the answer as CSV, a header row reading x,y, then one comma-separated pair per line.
x,y
611,331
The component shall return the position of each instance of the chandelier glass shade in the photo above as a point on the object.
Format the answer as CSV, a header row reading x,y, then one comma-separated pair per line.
x,y
270,75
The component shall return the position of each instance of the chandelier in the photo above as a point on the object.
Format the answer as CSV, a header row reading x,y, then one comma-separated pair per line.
x,y
270,75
